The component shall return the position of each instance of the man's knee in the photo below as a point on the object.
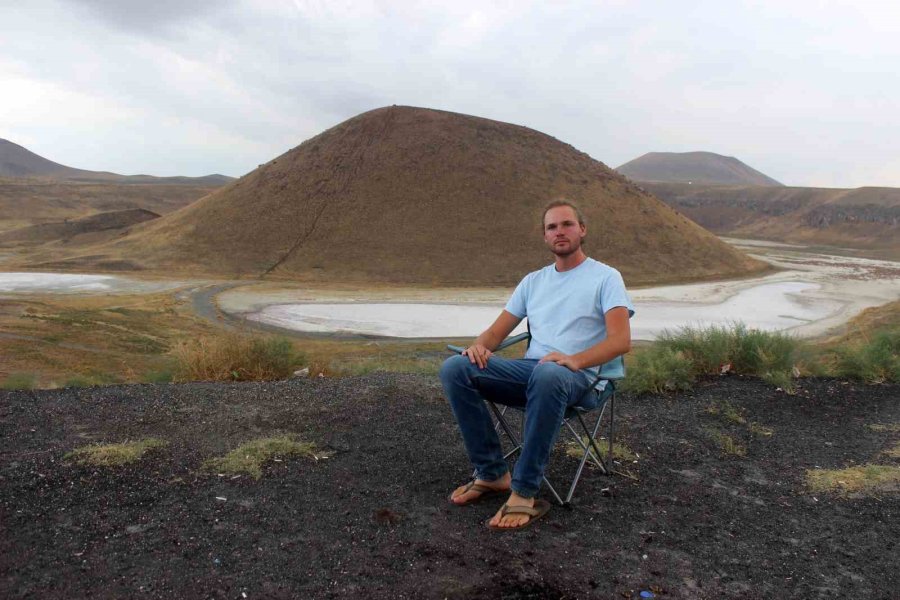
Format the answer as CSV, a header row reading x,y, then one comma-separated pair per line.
x,y
454,367
550,374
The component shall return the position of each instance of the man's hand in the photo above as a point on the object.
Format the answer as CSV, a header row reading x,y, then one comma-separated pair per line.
x,y
478,355
564,360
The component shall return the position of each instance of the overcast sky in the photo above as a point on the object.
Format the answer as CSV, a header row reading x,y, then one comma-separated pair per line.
x,y
808,92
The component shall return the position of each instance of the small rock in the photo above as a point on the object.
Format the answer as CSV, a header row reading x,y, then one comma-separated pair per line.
x,y
304,372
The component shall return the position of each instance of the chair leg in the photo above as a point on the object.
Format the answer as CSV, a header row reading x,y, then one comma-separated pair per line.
x,y
589,449
517,445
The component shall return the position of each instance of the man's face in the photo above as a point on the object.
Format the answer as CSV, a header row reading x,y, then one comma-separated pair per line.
x,y
562,231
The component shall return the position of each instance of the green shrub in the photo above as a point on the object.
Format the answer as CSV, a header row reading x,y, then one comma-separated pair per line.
x,y
875,361
19,381
236,357
657,370
748,351
677,358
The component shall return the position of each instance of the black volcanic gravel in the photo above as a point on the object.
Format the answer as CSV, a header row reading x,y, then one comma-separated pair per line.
x,y
373,520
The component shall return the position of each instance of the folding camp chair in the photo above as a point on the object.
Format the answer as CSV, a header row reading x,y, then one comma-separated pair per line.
x,y
605,396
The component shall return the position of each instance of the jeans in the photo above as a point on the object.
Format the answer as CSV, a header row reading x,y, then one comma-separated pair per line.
x,y
546,390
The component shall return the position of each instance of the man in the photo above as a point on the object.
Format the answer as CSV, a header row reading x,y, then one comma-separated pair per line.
x,y
578,312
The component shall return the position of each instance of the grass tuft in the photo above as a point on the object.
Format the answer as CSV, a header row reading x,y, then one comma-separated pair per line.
x,y
248,459
873,361
728,444
113,455
865,478
19,381
885,427
620,451
893,452
236,357
728,412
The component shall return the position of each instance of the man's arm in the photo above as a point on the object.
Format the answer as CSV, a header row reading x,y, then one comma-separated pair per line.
x,y
617,342
483,346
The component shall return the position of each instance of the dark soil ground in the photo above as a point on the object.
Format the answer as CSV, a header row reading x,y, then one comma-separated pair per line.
x,y
373,520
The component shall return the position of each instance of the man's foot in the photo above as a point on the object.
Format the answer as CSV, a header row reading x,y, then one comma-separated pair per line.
x,y
512,520
475,490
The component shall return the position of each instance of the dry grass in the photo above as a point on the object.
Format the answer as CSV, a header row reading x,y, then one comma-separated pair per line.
x,y
757,429
885,427
249,458
86,340
727,412
893,452
621,452
113,455
864,478
728,444
235,356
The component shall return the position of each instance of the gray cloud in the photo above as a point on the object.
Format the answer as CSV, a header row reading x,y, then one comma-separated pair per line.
x,y
199,87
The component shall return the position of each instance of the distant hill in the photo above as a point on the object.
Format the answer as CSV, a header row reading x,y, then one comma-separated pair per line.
x,y
412,195
866,218
67,230
25,202
694,168
18,161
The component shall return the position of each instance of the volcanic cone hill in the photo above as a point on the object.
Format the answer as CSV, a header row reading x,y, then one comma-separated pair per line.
x,y
693,167
411,195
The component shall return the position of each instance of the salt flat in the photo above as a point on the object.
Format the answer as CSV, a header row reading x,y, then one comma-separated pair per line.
x,y
812,293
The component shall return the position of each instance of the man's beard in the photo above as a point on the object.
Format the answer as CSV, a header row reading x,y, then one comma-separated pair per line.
x,y
572,248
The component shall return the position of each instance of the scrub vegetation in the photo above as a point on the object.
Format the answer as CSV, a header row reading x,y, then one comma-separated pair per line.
x,y
677,358
236,357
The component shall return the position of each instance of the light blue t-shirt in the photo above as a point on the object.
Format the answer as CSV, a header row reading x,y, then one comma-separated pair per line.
x,y
566,311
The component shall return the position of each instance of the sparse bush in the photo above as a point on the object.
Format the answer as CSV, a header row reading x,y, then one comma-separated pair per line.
x,y
19,381
658,370
236,357
875,361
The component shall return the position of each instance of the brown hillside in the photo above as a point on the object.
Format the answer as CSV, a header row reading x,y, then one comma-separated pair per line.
x,y
68,230
25,202
693,167
864,218
411,195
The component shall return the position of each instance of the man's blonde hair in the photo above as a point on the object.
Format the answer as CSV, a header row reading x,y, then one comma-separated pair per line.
x,y
558,203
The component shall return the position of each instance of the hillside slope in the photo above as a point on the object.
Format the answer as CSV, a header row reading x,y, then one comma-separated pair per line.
x,y
25,202
866,218
18,161
68,230
695,168
412,195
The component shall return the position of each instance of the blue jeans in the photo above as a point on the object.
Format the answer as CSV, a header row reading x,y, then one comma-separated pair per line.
x,y
546,390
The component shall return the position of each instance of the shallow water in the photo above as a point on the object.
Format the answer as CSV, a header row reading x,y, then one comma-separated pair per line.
x,y
54,282
73,283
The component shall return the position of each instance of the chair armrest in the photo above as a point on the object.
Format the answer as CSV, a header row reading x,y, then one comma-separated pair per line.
x,y
514,339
